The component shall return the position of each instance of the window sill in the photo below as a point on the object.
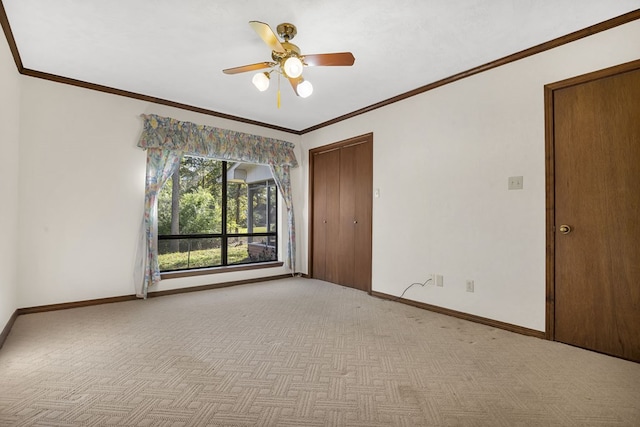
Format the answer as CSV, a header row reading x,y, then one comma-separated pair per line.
x,y
216,270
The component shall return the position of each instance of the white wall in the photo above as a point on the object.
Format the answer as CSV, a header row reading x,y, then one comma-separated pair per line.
x,y
441,162
81,193
9,136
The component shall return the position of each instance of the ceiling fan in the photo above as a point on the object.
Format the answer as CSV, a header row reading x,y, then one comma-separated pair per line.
x,y
287,60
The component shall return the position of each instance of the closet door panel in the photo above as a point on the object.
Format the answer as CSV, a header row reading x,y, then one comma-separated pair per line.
x,y
325,215
333,215
363,167
348,220
320,167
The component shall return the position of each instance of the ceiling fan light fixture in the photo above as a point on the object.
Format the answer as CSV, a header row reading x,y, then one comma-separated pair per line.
x,y
293,67
261,81
287,60
305,89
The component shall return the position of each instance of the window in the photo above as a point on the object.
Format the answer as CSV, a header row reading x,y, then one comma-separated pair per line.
x,y
214,213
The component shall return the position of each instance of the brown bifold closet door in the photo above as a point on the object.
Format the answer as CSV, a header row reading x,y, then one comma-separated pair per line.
x,y
342,212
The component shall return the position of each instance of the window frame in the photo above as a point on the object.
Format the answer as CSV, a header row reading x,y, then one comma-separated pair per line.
x,y
224,235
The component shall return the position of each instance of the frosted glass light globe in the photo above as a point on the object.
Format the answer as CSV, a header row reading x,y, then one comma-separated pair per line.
x,y
293,67
305,89
261,81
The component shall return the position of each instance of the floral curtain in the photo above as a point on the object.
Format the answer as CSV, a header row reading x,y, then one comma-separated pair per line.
x,y
174,138
282,177
161,164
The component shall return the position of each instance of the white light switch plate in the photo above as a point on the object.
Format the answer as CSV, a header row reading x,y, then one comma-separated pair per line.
x,y
516,182
470,286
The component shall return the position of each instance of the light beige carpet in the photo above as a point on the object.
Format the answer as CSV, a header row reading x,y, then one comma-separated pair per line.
x,y
298,352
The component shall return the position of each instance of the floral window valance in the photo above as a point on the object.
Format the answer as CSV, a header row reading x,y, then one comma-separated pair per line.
x,y
166,140
209,141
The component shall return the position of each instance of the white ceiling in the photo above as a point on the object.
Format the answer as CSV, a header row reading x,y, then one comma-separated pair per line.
x,y
176,50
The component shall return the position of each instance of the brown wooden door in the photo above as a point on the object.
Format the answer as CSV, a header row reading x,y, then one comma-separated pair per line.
x,y
596,136
363,167
341,212
326,204
354,242
348,221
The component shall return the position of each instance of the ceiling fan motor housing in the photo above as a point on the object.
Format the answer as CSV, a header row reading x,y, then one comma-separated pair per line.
x,y
287,31
290,50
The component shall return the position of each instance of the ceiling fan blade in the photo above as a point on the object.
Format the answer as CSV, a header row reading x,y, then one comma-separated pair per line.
x,y
294,83
266,33
342,58
251,67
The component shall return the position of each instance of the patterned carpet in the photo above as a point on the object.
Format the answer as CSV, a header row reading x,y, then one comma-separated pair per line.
x,y
298,352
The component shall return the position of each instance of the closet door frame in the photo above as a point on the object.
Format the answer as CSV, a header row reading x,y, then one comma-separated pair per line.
x,y
319,150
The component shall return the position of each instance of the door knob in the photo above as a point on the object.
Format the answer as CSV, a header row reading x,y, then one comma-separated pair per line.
x,y
565,229
355,221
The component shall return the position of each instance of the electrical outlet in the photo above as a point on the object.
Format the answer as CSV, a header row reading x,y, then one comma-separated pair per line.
x,y
439,280
470,286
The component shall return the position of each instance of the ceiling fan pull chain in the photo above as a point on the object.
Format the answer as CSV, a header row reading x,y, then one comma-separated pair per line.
x,y
278,90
